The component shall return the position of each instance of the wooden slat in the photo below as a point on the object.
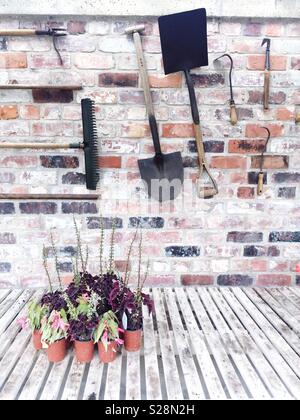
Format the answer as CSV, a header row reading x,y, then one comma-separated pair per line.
x,y
210,376
245,368
288,300
113,381
280,310
14,310
18,376
3,294
72,386
273,327
153,381
172,379
283,370
36,378
9,301
93,381
225,366
133,376
190,373
258,360
55,380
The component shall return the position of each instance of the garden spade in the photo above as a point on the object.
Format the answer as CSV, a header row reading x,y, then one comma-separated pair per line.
x,y
162,173
184,47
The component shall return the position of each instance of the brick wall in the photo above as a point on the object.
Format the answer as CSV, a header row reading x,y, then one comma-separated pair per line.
x,y
234,239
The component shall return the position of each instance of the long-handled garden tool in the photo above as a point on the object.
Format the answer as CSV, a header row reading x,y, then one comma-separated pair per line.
x,y
267,73
261,174
89,144
54,33
233,113
163,173
184,47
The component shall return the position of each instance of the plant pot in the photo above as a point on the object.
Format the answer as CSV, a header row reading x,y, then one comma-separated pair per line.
x,y
107,356
37,340
84,351
56,352
133,340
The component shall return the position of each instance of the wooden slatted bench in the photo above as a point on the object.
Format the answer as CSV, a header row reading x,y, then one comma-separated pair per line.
x,y
202,343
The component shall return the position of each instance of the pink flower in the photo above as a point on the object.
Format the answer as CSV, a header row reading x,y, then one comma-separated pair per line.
x,y
23,322
121,330
119,341
105,336
57,322
298,268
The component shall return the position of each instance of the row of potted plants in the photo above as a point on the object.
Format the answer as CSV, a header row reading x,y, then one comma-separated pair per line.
x,y
97,309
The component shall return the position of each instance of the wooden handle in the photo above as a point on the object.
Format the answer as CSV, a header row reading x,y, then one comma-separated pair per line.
x,y
17,32
49,87
199,143
260,185
267,89
35,146
49,197
297,119
233,114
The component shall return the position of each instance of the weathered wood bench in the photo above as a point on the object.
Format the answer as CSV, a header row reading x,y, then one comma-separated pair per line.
x,y
202,343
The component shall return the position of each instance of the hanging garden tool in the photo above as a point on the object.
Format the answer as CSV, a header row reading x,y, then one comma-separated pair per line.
x,y
184,47
267,73
233,113
54,33
261,174
163,173
89,144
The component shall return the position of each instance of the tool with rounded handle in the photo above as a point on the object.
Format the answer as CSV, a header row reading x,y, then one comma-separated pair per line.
x,y
233,113
163,173
206,185
267,74
261,175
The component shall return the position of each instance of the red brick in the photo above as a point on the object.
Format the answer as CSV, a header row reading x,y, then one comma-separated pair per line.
x,y
295,64
8,112
76,27
13,60
285,114
254,130
18,161
191,280
52,96
228,162
274,280
110,162
30,112
270,162
161,280
257,62
246,192
118,79
246,146
161,81
135,130
178,130
274,29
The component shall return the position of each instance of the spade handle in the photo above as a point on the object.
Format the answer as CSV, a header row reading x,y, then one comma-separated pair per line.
x,y
17,32
147,93
267,89
41,146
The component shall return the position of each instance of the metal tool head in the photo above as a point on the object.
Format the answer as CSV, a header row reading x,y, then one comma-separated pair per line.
x,y
228,56
184,40
57,32
134,29
163,175
266,41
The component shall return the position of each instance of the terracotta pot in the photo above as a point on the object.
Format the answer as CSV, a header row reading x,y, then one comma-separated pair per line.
x,y
84,351
133,340
37,340
56,352
107,356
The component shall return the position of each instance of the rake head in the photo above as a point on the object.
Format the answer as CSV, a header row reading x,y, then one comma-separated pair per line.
x,y
90,143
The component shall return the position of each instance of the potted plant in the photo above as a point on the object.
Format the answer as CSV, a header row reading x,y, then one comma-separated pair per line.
x,y
54,335
133,302
83,319
107,337
36,313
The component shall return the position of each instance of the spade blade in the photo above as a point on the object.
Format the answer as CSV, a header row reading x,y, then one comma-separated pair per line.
x,y
163,175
